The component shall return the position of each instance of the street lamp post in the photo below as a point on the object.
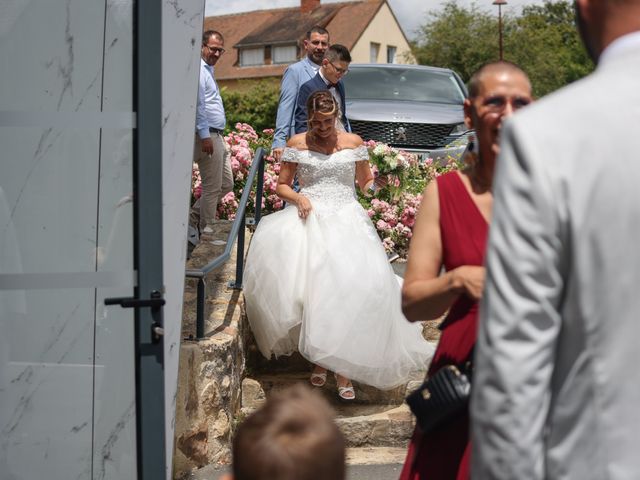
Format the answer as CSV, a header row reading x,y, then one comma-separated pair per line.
x,y
499,3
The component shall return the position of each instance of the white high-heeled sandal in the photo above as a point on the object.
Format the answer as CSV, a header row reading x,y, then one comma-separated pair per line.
x,y
318,379
344,391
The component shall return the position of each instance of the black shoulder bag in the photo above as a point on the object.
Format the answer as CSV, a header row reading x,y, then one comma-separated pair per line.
x,y
441,396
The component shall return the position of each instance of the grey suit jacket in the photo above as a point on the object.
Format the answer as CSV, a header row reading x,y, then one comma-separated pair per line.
x,y
556,391
294,76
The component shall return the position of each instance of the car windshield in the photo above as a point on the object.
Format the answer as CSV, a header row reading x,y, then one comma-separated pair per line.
x,y
404,84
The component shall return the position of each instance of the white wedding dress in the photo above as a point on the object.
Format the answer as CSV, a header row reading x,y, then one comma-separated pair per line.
x,y
323,286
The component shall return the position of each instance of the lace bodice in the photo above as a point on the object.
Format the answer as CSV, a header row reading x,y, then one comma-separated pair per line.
x,y
327,180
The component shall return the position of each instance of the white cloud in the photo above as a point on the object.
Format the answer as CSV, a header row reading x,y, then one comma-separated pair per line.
x,y
410,13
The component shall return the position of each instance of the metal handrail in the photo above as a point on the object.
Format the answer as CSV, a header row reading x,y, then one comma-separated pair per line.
x,y
237,231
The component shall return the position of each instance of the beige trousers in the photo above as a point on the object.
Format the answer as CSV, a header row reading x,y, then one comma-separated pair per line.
x,y
217,179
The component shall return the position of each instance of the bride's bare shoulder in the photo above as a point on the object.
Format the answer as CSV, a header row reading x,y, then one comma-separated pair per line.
x,y
298,141
350,140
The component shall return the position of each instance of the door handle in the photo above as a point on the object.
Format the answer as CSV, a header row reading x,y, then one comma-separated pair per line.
x,y
155,302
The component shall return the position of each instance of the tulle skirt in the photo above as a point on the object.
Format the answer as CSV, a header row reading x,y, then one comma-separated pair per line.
x,y
323,286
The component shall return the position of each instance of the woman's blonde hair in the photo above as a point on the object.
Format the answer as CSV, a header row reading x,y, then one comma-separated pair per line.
x,y
321,102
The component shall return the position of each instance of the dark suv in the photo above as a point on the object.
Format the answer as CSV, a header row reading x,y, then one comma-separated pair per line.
x,y
413,107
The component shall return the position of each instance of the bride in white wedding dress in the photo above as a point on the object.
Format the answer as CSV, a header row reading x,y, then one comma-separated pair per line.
x,y
317,278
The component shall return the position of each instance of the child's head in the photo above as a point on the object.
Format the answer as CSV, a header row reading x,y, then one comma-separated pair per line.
x,y
292,437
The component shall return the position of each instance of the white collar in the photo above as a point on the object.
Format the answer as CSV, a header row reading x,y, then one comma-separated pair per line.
x,y
625,43
327,82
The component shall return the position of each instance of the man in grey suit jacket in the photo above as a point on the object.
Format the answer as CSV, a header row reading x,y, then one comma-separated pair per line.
x,y
556,389
316,43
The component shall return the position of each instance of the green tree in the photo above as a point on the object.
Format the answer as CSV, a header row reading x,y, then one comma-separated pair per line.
x,y
256,106
543,40
457,38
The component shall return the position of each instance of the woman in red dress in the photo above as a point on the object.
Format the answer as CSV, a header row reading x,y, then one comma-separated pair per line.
x,y
451,232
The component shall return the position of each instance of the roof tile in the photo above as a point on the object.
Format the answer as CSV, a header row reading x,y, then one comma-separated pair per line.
x,y
345,21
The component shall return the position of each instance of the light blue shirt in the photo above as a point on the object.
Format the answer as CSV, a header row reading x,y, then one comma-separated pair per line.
x,y
209,109
294,76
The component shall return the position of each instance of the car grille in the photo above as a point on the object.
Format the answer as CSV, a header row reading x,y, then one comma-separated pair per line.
x,y
405,135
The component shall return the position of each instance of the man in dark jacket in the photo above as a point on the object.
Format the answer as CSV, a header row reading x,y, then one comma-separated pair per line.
x,y
335,65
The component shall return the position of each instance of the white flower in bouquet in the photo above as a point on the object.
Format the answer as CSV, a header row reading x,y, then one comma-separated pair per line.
x,y
379,149
391,161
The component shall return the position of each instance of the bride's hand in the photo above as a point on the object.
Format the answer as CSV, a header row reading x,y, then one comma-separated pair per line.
x,y
304,206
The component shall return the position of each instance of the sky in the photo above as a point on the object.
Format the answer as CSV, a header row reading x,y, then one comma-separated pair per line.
x,y
410,13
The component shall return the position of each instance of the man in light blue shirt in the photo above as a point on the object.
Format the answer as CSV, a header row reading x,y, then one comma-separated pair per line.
x,y
210,151
316,43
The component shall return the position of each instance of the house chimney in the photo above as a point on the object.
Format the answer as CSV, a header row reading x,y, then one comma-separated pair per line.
x,y
307,5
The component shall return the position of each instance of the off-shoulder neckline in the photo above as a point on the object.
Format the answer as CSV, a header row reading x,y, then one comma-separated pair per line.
x,y
327,154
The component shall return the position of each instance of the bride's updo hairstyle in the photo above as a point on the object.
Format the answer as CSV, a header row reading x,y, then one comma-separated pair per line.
x,y
320,102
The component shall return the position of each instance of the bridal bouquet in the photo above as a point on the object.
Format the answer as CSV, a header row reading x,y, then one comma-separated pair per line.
x,y
395,164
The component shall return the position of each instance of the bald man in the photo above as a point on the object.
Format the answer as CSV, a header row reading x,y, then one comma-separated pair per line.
x,y
556,391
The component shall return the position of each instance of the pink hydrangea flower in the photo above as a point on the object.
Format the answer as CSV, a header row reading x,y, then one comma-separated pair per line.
x,y
382,225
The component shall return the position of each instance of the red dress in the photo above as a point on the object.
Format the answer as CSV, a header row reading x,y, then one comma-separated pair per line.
x,y
444,454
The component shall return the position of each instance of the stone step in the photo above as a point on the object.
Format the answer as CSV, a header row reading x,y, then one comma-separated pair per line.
x,y
365,394
376,455
362,462
374,419
259,364
388,428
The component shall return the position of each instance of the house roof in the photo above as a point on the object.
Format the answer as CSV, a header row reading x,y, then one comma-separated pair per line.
x,y
345,22
288,26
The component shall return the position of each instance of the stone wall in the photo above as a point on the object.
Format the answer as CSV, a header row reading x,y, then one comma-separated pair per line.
x,y
211,370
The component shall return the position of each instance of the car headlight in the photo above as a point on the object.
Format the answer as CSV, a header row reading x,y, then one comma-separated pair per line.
x,y
459,129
